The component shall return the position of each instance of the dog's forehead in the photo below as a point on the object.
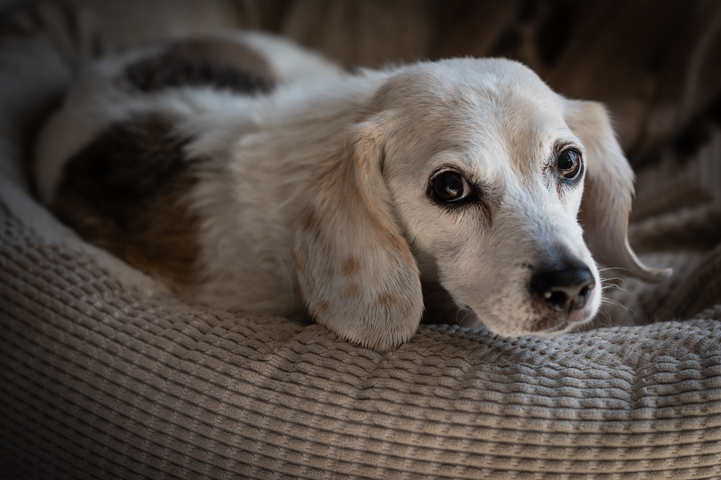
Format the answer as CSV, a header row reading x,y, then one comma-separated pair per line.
x,y
489,107
469,85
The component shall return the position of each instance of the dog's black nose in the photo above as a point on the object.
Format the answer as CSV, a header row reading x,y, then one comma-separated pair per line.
x,y
564,290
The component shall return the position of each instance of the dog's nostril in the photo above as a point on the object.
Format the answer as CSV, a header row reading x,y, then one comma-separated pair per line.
x,y
556,298
585,290
564,290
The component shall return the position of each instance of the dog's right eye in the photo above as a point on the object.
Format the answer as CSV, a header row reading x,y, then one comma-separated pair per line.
x,y
570,165
450,187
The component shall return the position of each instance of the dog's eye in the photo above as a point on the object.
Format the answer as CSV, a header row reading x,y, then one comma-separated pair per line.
x,y
450,186
570,164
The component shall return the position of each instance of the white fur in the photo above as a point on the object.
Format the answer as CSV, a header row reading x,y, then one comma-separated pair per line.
x,y
355,153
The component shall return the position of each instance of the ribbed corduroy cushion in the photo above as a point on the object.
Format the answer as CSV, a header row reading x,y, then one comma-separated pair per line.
x,y
101,382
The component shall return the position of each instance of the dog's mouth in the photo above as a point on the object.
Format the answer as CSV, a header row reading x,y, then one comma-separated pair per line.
x,y
543,321
557,322
550,326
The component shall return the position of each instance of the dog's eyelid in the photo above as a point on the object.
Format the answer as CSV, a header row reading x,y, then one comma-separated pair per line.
x,y
471,179
561,145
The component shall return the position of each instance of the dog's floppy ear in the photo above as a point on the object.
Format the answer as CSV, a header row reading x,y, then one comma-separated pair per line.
x,y
608,191
356,272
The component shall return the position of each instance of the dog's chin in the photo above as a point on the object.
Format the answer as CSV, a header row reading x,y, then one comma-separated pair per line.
x,y
557,323
544,322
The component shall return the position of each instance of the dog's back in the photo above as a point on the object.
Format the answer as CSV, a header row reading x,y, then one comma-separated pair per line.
x,y
114,163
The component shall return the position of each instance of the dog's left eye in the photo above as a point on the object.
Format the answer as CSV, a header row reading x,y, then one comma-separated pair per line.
x,y
450,186
570,165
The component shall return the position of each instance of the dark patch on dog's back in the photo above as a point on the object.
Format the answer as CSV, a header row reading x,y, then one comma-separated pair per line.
x,y
220,64
126,192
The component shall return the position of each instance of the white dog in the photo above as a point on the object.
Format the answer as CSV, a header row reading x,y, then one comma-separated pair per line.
x,y
244,171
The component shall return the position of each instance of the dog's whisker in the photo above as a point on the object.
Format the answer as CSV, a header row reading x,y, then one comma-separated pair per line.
x,y
606,319
609,268
616,268
614,303
613,286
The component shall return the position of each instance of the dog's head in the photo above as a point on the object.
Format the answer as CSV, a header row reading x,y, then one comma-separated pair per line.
x,y
475,174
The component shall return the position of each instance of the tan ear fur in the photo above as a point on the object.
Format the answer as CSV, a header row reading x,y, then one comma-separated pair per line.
x,y
608,191
356,272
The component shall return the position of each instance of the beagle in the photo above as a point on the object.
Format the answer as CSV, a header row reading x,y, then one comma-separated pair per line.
x,y
244,171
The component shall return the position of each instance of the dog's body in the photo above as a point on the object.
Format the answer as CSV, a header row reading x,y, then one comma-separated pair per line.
x,y
244,171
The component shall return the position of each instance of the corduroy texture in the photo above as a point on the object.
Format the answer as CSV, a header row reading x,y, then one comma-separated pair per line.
x,y
99,379
101,382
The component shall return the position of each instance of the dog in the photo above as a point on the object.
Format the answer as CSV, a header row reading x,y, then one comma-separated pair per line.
x,y
245,171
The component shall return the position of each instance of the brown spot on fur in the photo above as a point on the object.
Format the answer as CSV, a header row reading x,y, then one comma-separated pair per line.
x,y
298,260
387,300
308,221
353,290
321,307
218,63
125,192
351,267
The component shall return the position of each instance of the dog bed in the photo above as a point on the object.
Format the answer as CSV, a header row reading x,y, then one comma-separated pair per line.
x,y
105,375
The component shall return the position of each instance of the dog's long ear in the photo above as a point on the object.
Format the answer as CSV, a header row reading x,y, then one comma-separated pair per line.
x,y
356,272
608,191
